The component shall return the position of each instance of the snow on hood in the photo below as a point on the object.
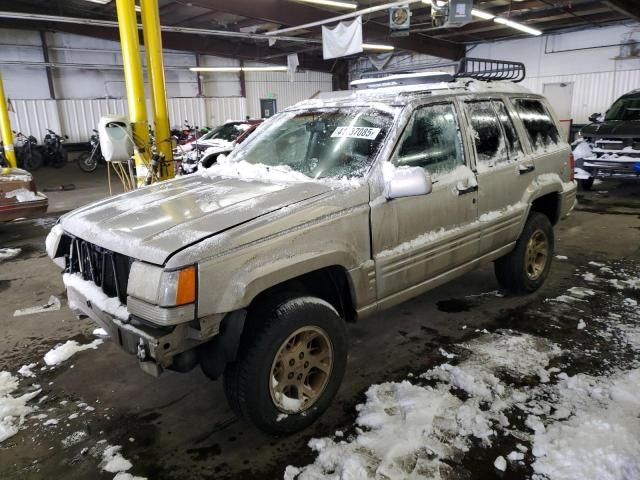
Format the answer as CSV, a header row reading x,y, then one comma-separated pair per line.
x,y
152,223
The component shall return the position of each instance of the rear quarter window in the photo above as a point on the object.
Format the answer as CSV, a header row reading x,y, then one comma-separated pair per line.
x,y
541,129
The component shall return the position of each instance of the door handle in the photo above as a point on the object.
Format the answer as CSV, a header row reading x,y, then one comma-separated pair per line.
x,y
465,190
522,169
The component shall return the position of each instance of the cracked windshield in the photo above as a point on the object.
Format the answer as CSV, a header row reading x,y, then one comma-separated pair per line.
x,y
326,143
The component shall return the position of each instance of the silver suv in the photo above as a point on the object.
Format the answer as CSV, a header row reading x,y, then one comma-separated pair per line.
x,y
335,209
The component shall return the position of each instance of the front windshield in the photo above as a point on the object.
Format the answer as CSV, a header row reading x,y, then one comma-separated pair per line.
x,y
625,109
228,132
320,143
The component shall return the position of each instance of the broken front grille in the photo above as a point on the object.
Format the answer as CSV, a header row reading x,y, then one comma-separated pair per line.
x,y
107,269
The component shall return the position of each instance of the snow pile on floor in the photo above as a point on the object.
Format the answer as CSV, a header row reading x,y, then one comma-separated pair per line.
x,y
601,438
12,409
65,351
95,295
114,462
406,430
9,253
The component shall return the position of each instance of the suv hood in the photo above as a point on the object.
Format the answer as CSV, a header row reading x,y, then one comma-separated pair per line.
x,y
152,223
612,128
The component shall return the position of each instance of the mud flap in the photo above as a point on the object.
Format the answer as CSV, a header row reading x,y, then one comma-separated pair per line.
x,y
215,355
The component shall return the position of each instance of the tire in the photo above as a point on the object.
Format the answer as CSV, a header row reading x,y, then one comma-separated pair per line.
x,y
296,321
88,162
59,159
519,272
32,160
587,184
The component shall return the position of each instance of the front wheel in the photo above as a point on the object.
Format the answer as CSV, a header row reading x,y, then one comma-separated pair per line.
x,y
290,364
525,269
31,160
88,162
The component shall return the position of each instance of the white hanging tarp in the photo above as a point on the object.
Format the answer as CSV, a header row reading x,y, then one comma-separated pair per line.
x,y
342,40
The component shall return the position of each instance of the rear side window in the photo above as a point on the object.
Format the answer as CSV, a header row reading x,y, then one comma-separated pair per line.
x,y
432,140
538,123
513,142
487,134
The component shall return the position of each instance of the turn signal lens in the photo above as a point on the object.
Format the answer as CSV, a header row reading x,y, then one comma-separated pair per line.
x,y
186,291
178,287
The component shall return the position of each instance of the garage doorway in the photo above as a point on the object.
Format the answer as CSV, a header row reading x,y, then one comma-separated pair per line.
x,y
560,96
268,107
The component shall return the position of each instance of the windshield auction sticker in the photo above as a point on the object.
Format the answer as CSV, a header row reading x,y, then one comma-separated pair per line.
x,y
356,132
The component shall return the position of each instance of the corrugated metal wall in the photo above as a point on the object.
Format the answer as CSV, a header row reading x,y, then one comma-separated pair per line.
x,y
592,92
77,118
32,117
277,85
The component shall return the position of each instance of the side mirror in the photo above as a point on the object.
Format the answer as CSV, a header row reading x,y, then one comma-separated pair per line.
x,y
408,182
595,117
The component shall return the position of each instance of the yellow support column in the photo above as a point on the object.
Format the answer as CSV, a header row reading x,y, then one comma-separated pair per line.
x,y
155,72
129,40
5,129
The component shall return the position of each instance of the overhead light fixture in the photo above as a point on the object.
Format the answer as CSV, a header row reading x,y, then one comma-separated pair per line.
x,y
215,69
375,46
238,69
517,26
138,8
332,3
264,69
481,14
101,2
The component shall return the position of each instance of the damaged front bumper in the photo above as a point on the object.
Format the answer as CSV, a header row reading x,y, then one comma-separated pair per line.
x,y
156,348
607,168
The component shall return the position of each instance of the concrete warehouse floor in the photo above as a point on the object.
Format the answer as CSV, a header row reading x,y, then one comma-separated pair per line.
x,y
179,425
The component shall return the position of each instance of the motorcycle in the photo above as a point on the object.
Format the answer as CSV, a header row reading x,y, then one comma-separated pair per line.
x,y
186,134
54,153
88,161
28,152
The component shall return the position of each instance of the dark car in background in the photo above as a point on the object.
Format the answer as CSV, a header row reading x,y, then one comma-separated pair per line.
x,y
610,148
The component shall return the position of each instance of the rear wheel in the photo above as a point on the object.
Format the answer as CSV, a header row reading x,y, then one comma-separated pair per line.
x,y
290,364
525,269
31,160
88,162
586,184
59,159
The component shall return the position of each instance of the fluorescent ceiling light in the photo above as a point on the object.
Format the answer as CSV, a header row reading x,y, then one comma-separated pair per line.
x,y
101,2
238,69
481,14
517,26
375,46
215,69
332,3
264,69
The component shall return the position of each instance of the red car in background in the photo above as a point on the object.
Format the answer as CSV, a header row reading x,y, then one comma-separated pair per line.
x,y
19,197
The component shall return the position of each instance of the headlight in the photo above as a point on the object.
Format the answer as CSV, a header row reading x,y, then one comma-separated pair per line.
x,y
178,287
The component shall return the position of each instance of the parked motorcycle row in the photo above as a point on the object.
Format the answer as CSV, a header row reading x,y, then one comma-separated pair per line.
x,y
31,155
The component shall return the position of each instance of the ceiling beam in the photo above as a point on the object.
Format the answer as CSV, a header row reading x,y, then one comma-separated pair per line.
x,y
288,13
179,41
629,8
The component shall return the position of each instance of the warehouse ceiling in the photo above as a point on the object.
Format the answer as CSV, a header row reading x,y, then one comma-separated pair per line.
x,y
260,16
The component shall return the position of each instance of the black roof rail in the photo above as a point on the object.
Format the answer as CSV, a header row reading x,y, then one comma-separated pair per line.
x,y
487,69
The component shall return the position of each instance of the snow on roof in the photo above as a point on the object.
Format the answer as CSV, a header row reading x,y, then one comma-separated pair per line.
x,y
401,94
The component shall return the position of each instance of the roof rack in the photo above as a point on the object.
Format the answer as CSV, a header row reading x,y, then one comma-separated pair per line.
x,y
474,68
487,69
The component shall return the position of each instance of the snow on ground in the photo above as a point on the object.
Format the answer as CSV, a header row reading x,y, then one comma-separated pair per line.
x,y
9,253
65,351
12,409
502,385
